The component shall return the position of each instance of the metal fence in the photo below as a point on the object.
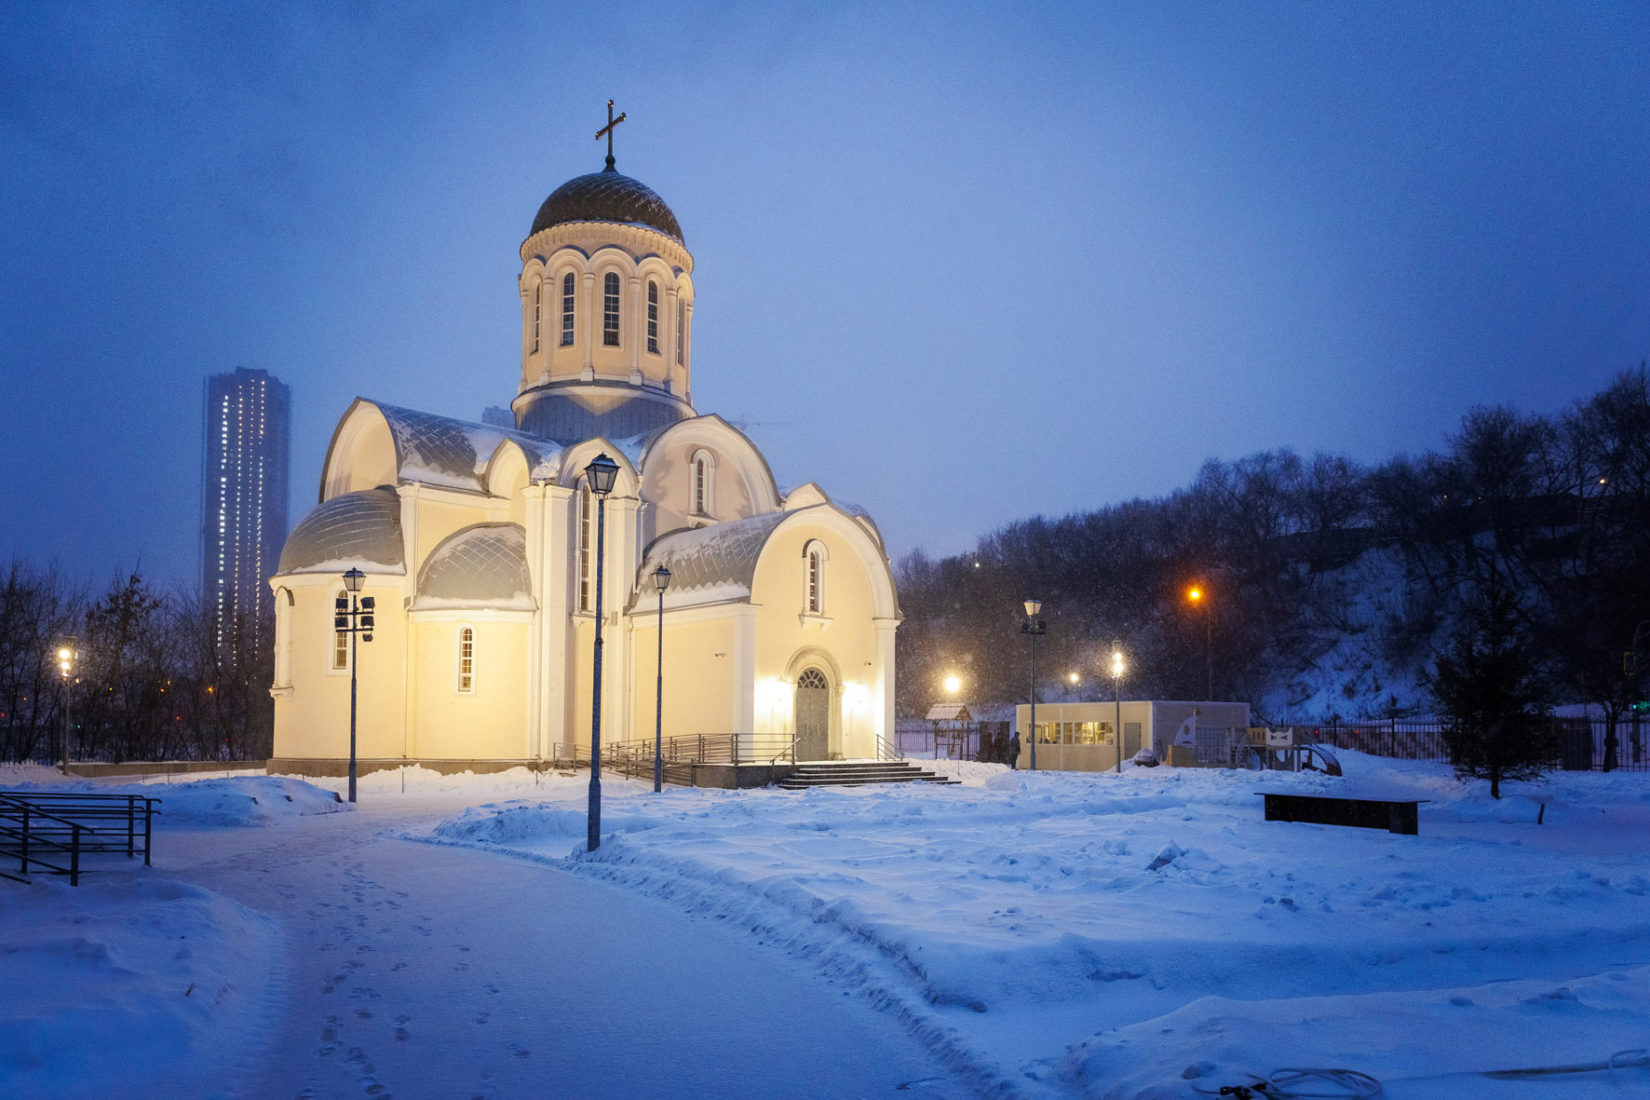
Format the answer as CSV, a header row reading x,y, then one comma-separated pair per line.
x,y
926,740
1583,744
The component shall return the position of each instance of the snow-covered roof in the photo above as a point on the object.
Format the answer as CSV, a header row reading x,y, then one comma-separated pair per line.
x,y
440,450
708,564
480,566
360,529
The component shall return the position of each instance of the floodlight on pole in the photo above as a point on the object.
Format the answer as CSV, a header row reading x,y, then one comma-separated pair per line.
x,y
353,615
599,477
661,581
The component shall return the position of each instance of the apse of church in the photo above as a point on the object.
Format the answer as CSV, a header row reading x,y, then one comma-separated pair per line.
x,y
478,544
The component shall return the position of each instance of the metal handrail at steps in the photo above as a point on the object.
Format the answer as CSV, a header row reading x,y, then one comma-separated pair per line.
x,y
634,758
57,820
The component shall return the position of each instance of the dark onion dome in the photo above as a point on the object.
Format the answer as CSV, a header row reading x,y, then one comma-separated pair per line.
x,y
606,196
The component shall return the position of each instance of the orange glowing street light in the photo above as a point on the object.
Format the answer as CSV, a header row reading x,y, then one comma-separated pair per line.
x,y
1195,595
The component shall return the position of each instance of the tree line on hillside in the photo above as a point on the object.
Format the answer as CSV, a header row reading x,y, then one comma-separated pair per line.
x,y
149,679
1331,588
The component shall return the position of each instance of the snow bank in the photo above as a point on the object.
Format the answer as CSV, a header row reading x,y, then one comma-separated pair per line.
x,y
185,802
1153,922
127,987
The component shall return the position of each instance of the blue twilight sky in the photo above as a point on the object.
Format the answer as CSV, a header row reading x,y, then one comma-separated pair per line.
x,y
959,263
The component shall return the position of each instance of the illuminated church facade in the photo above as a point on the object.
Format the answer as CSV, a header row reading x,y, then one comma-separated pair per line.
x,y
479,545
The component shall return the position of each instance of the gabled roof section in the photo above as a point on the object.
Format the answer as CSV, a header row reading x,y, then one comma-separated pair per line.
x,y
712,564
440,450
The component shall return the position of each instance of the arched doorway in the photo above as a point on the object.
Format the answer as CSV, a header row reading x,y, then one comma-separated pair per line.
x,y
813,715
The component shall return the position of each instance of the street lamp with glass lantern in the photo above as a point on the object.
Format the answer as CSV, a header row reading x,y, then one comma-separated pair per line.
x,y
66,657
1117,698
661,581
599,477
1032,628
1196,595
353,615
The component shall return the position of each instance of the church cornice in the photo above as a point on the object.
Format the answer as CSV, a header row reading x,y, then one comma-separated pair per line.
x,y
640,241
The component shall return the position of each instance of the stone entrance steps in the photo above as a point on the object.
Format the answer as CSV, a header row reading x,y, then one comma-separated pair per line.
x,y
854,773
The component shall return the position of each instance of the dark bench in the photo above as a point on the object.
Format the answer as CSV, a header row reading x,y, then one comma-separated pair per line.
x,y
1395,815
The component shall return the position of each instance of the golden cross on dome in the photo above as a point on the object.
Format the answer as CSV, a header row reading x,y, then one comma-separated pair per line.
x,y
607,132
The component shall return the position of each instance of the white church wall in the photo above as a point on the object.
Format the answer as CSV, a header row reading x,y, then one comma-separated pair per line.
x,y
843,630
489,720
313,720
698,658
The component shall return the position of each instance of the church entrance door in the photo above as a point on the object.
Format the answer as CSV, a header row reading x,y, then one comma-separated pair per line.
x,y
813,715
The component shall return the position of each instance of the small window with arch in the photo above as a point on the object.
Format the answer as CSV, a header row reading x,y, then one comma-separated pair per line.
x,y
815,557
340,638
466,660
704,483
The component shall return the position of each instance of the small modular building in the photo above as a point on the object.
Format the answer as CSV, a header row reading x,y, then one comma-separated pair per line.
x,y
1083,737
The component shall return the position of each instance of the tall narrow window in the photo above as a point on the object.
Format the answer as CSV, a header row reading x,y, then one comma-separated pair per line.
x,y
567,309
340,638
680,313
704,483
538,311
466,659
814,585
587,507
610,310
652,317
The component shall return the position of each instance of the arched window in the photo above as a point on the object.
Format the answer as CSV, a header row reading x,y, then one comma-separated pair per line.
x,y
815,557
652,317
704,483
340,638
466,659
586,547
567,284
538,310
610,310
680,313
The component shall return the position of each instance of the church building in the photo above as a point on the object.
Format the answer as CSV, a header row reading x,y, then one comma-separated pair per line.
x,y
479,544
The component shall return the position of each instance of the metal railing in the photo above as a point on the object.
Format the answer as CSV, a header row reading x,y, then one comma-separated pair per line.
x,y
635,758
1581,744
33,822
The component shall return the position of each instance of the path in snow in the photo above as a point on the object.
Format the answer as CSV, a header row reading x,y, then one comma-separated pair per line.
x,y
420,970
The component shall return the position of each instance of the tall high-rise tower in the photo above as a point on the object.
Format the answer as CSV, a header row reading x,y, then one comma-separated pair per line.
x,y
243,502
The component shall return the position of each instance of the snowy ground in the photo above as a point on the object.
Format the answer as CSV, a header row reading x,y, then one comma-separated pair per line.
x,y
1143,935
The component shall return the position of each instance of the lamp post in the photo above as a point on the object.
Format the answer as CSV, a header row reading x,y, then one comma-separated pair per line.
x,y
66,656
599,477
352,615
661,581
1195,595
1117,697
1032,627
